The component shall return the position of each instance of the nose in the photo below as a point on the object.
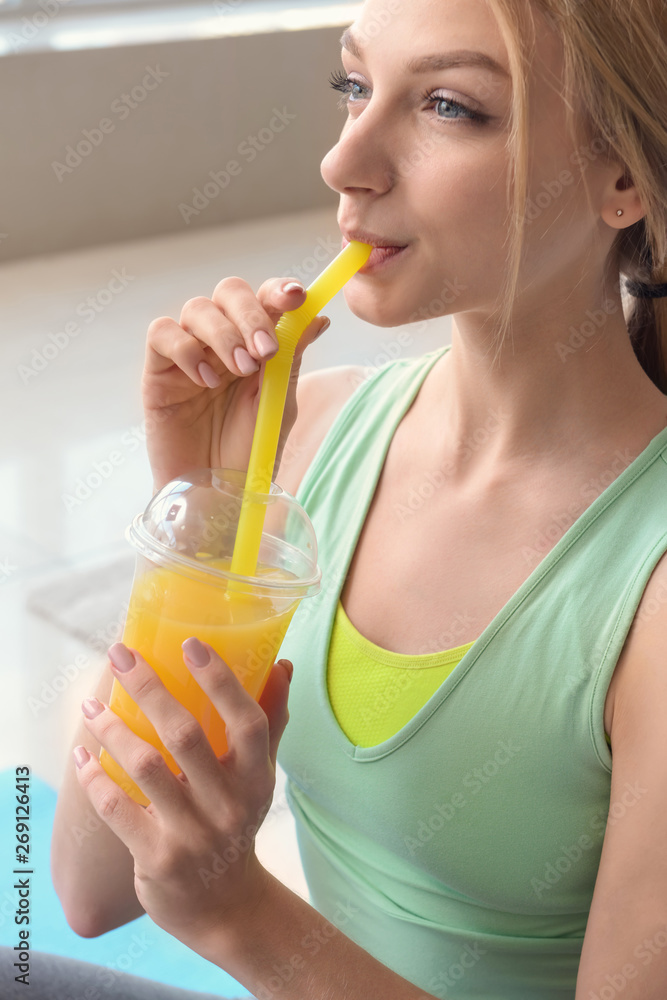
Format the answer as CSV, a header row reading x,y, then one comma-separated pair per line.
x,y
361,159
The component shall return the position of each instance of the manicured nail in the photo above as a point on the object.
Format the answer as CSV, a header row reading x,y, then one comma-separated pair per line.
x,y
289,667
245,364
81,756
121,657
293,286
265,343
325,326
211,378
91,707
197,654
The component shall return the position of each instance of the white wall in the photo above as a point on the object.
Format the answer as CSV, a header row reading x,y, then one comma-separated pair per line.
x,y
214,95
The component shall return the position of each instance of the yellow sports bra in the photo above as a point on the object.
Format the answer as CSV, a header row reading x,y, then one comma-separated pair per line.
x,y
373,692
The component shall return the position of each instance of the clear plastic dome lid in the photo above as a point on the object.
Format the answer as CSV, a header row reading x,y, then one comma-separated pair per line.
x,y
190,525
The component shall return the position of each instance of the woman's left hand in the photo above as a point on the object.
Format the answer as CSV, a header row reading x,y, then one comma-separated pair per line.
x,y
195,867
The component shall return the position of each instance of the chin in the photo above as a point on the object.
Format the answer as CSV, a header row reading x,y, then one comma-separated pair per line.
x,y
377,312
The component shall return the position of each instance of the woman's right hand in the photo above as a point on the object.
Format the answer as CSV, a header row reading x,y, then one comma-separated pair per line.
x,y
202,376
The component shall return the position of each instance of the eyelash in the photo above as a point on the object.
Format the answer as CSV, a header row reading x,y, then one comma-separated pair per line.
x,y
339,81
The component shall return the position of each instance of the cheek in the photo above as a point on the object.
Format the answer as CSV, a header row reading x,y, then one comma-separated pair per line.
x,y
462,212
467,193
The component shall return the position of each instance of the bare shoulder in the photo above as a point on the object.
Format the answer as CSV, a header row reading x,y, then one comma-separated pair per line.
x,y
638,678
321,396
632,877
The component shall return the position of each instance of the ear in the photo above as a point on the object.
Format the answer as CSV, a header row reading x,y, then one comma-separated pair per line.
x,y
622,195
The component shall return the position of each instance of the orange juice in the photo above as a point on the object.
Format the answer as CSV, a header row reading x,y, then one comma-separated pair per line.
x,y
167,607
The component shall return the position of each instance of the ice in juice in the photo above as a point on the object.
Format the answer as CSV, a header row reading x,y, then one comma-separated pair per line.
x,y
166,607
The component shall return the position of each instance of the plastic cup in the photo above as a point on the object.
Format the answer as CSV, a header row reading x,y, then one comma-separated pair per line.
x,y
183,587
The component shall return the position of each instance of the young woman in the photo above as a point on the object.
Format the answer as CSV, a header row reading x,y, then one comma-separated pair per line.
x,y
492,528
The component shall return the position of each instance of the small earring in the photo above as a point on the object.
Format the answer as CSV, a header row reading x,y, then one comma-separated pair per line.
x,y
620,212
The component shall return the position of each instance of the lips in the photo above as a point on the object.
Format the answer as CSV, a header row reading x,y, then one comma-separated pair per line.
x,y
384,249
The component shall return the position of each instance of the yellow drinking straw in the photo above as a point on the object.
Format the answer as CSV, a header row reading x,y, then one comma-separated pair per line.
x,y
272,400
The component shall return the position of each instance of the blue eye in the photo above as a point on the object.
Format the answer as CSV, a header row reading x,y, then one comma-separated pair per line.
x,y
339,81
465,113
353,92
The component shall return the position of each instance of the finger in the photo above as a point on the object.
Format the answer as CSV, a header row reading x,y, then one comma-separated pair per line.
x,y
143,762
125,817
168,344
273,703
318,326
255,316
247,727
181,734
280,295
233,331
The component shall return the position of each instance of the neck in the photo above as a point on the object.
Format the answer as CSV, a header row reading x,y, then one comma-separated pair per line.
x,y
563,387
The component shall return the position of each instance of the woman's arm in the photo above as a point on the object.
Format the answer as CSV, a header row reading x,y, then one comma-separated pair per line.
x,y
625,948
283,949
92,870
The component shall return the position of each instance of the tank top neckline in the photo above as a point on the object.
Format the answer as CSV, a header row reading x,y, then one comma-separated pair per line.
x,y
424,365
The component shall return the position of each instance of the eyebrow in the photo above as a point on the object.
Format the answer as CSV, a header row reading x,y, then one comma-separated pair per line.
x,y
429,64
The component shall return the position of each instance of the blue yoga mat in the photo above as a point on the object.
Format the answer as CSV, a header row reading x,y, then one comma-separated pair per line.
x,y
140,948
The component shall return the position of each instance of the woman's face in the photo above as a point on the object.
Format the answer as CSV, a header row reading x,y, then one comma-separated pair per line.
x,y
422,162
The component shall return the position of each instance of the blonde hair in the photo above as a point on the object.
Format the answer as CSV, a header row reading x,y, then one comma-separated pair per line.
x,y
615,89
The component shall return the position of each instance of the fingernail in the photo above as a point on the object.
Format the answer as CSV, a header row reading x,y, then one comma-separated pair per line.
x,y
325,326
81,756
211,378
197,654
289,667
265,343
245,364
293,286
91,707
121,657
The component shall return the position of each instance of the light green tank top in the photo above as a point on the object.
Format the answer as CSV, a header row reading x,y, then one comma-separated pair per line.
x,y
462,851
374,692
